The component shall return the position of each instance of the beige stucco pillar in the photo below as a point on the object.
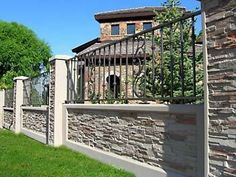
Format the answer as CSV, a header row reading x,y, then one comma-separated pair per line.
x,y
2,100
17,102
57,96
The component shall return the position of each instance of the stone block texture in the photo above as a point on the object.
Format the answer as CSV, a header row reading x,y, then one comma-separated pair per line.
x,y
8,118
51,102
35,121
105,29
158,139
14,106
221,46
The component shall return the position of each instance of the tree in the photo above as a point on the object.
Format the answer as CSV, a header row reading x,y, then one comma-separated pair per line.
x,y
171,59
21,53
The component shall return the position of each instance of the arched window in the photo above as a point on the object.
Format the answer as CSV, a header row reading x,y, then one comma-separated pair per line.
x,y
114,85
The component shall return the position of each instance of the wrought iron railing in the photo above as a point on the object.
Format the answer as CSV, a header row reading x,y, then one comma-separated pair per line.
x,y
36,90
9,96
162,64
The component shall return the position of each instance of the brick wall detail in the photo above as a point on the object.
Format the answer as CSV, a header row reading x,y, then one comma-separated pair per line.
x,y
221,45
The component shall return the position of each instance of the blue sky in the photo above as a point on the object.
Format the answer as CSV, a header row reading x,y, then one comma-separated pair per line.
x,y
65,24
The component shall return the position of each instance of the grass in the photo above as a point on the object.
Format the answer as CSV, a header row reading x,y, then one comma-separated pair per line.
x,y
23,157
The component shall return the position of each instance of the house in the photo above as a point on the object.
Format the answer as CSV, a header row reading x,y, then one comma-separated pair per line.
x,y
115,25
115,63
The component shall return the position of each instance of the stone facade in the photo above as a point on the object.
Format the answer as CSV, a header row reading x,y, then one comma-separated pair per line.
x,y
14,105
160,139
221,49
35,120
103,86
51,102
105,29
8,118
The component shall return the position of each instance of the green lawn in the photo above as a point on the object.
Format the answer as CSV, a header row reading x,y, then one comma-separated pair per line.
x,y
23,157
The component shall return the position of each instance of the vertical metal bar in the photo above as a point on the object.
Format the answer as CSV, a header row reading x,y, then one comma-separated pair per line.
x,y
182,57
71,80
88,79
77,78
194,55
120,67
74,79
162,64
99,74
68,81
94,73
172,62
81,78
109,70
153,64
126,70
133,71
145,66
104,65
114,83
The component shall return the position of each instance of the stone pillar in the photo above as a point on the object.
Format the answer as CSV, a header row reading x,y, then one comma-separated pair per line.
x,y
2,103
17,102
57,96
220,24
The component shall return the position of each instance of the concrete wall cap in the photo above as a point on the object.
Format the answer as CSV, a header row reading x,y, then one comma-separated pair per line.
x,y
60,57
20,78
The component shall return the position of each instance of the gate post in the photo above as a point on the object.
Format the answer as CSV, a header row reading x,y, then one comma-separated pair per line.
x,y
220,60
18,102
2,103
57,96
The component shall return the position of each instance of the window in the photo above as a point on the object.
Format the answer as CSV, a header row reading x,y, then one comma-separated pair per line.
x,y
115,29
113,85
147,25
131,28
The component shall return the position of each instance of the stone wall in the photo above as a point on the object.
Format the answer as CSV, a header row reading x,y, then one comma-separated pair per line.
x,y
221,49
120,72
14,105
165,140
35,120
8,118
51,101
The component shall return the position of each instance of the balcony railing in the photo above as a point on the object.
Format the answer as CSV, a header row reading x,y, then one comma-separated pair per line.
x,y
162,64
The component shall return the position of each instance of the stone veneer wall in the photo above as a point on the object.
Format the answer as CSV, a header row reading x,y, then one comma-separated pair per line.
x,y
160,139
104,74
221,49
35,120
51,102
14,105
105,29
8,117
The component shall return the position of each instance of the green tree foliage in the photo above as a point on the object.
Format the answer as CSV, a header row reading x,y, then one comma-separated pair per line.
x,y
21,53
171,58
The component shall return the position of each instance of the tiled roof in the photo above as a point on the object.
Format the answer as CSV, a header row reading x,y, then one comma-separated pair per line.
x,y
132,48
134,13
131,10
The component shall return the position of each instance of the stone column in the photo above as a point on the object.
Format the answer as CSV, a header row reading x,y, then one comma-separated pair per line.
x,y
2,103
220,24
17,102
57,96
